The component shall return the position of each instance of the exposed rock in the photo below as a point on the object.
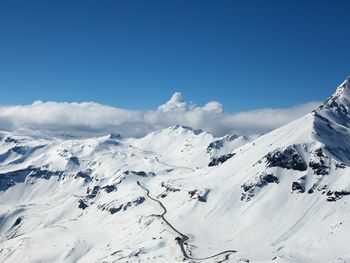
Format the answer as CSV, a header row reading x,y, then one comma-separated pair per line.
x,y
340,165
219,160
169,188
10,179
17,222
45,174
86,175
94,192
259,182
318,187
139,200
10,140
299,185
121,207
115,136
219,143
288,158
319,167
82,204
110,188
114,210
336,195
139,173
20,149
201,196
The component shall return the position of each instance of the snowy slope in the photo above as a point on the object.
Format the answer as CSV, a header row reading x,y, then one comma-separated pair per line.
x,y
181,195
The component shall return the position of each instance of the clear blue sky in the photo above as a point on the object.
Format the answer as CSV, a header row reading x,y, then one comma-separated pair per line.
x,y
135,54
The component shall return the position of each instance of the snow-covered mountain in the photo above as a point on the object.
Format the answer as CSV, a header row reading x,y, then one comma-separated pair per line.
x,y
181,195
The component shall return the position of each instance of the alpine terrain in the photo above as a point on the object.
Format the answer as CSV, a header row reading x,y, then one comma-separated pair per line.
x,y
181,195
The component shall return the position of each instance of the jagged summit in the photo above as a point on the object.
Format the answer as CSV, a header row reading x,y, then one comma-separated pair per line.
x,y
334,114
341,96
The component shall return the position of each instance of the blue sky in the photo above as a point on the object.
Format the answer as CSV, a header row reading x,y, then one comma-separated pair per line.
x,y
136,54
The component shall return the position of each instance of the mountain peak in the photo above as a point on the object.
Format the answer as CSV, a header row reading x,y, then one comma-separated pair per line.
x,y
179,127
340,98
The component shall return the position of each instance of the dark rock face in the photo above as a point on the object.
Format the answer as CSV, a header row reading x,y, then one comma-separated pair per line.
x,y
111,143
114,210
82,204
17,222
86,175
169,188
10,140
20,149
250,187
218,144
201,197
10,179
110,188
317,186
299,185
288,159
91,194
340,165
123,207
336,195
319,167
219,160
312,189
263,180
45,174
115,136
318,164
215,145
266,179
139,200
94,192
296,186
139,173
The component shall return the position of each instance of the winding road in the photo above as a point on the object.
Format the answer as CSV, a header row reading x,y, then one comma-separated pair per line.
x,y
183,238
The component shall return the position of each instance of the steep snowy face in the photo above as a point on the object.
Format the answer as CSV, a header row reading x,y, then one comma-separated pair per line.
x,y
337,107
340,100
332,122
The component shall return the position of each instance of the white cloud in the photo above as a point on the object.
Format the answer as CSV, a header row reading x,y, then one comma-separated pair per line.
x,y
89,118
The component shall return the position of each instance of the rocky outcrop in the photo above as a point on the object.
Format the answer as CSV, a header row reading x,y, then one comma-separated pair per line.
x,y
139,173
288,158
333,196
201,196
10,179
299,185
318,163
219,160
259,182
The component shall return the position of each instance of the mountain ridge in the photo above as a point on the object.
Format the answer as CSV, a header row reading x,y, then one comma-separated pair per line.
x,y
280,197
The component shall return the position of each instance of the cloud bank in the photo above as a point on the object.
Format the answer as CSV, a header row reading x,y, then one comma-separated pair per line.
x,y
90,119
